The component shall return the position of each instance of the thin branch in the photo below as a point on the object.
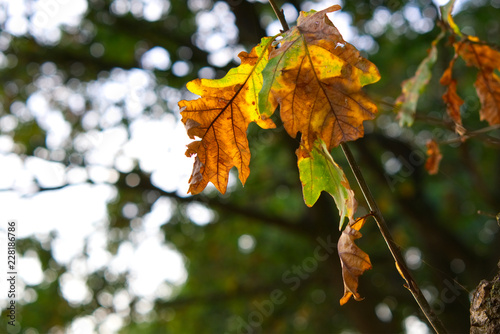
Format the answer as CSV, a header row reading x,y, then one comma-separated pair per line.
x,y
476,133
435,121
489,214
479,134
279,15
411,284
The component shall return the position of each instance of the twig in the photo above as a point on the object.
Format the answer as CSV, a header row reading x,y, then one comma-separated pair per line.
x,y
487,214
497,216
476,133
279,15
411,284
480,134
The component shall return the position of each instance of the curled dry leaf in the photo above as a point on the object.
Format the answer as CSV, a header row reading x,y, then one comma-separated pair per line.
x,y
451,98
487,84
488,89
353,260
476,54
220,118
434,157
316,78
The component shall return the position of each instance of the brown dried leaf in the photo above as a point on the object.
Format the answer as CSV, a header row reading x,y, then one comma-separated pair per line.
x,y
220,119
488,89
450,97
353,260
453,102
434,157
478,55
487,60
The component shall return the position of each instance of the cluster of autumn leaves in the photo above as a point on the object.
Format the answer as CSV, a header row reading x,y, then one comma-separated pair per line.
x,y
475,53
310,71
316,78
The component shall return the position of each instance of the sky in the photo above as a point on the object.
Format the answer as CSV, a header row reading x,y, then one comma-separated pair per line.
x,y
77,214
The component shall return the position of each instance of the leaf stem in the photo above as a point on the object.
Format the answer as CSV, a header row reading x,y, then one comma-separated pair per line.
x,y
279,15
411,284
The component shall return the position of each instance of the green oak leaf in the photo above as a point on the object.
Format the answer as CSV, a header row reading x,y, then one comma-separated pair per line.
x,y
318,172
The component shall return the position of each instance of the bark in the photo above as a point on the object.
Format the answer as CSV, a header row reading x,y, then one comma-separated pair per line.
x,y
485,307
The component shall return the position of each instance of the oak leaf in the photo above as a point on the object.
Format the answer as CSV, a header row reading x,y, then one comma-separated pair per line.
x,y
406,103
488,89
316,78
353,260
318,172
220,118
434,157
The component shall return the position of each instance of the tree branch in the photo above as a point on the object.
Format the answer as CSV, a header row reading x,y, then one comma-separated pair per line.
x,y
411,284
279,15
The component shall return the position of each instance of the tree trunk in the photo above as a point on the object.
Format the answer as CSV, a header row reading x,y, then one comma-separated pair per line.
x,y
485,307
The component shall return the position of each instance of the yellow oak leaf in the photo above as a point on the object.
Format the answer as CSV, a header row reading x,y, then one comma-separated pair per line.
x,y
220,119
487,84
